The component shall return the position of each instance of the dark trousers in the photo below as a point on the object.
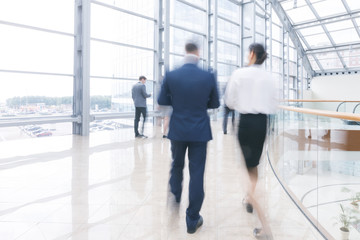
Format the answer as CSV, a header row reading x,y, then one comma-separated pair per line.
x,y
138,112
226,115
197,158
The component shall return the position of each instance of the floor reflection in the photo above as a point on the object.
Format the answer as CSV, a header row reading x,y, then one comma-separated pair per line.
x,y
112,186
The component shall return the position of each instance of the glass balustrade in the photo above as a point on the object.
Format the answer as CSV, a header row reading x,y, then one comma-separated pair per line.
x,y
317,160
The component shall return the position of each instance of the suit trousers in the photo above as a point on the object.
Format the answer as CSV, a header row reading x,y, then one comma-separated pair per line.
x,y
138,112
197,159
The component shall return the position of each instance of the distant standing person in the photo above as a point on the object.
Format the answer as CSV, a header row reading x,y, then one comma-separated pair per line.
x,y
139,96
190,91
252,92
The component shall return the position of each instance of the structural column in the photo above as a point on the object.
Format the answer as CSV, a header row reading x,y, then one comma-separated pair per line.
x,y
81,100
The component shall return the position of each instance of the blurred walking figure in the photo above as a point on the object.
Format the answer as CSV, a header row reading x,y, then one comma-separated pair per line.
x,y
252,92
190,91
139,96
228,111
165,113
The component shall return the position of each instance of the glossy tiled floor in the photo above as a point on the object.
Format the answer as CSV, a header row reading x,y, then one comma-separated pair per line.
x,y
112,186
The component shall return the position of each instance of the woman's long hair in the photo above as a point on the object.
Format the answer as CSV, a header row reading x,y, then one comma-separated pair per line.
x,y
259,52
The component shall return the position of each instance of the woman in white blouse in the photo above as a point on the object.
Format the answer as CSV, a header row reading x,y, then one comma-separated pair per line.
x,y
252,92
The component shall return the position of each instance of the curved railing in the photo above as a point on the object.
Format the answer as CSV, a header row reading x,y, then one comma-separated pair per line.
x,y
356,106
315,156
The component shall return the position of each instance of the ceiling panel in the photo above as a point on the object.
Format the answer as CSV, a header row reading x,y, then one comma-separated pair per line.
x,y
345,36
312,31
327,62
300,14
328,41
313,63
329,7
353,4
318,40
339,25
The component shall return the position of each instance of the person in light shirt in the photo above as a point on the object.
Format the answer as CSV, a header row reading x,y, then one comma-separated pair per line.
x,y
252,92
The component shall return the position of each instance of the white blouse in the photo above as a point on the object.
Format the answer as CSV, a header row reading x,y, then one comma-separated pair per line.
x,y
252,90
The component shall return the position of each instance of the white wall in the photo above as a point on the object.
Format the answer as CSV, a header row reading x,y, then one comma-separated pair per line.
x,y
339,87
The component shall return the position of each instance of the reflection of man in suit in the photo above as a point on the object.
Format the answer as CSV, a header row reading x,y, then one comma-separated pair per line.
x,y
190,91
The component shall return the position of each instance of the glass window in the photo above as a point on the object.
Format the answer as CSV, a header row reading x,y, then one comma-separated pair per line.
x,y
275,18
26,95
188,17
339,25
108,60
175,61
313,63
114,95
301,14
303,43
229,10
276,32
179,37
37,51
276,49
200,3
260,38
260,25
345,36
353,4
331,63
224,72
137,6
248,19
351,58
228,31
121,27
246,42
228,53
292,69
50,14
293,4
329,7
319,40
312,31
357,20
292,53
276,64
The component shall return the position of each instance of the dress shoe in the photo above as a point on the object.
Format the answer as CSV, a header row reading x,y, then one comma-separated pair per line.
x,y
249,206
198,224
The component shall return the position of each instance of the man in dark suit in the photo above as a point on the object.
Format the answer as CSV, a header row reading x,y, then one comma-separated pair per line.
x,y
139,96
190,91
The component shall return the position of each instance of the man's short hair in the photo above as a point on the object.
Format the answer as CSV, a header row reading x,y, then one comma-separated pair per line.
x,y
191,47
142,78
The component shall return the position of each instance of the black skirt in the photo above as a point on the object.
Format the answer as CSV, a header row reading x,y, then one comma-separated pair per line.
x,y
251,135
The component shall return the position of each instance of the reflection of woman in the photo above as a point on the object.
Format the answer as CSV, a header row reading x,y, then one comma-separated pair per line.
x,y
251,92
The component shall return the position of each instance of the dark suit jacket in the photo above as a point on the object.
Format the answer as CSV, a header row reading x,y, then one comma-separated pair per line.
x,y
190,91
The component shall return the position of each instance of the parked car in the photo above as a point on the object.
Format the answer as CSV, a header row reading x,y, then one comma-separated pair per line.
x,y
44,134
